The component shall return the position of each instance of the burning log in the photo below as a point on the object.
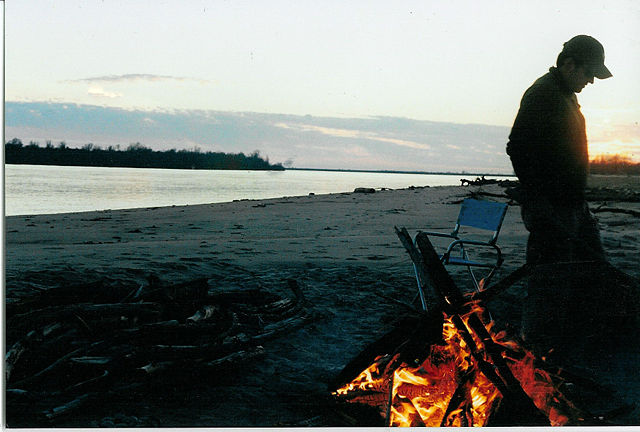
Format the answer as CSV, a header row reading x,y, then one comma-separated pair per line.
x,y
497,287
454,302
469,375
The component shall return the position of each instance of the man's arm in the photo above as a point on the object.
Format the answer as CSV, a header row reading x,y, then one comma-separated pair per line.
x,y
533,141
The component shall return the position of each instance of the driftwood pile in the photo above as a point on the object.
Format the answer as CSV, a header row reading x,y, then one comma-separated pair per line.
x,y
612,194
603,195
77,346
482,181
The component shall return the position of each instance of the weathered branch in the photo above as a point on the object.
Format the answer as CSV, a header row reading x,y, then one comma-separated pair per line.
x,y
40,317
616,210
503,284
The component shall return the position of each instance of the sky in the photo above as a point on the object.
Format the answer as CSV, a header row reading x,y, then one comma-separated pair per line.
x,y
456,62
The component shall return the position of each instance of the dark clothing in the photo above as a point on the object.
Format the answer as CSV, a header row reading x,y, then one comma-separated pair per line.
x,y
560,233
548,142
548,150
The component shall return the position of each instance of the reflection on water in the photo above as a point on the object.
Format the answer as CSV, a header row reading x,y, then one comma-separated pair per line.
x,y
39,189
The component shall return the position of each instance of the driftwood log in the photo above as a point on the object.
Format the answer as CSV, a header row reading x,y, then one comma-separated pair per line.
x,y
88,344
603,209
482,181
495,369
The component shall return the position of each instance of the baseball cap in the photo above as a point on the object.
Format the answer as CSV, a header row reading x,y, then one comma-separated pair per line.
x,y
588,51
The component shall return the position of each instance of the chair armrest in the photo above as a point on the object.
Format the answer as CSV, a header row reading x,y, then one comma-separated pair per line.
x,y
439,234
473,242
462,242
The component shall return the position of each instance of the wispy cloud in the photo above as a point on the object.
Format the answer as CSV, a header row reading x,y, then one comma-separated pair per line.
x,y
100,92
135,78
350,133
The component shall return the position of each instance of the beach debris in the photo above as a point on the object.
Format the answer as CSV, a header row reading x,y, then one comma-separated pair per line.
x,y
513,193
602,209
364,190
482,181
99,343
448,367
478,194
612,194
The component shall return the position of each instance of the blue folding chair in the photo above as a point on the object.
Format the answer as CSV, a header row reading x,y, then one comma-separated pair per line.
x,y
483,216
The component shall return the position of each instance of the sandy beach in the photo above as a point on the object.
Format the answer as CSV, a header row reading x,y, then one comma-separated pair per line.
x,y
341,248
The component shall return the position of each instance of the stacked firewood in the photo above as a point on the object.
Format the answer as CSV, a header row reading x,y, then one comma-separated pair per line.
x,y
74,346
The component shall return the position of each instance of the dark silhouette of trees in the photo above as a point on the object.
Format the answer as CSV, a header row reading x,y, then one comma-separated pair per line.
x,y
135,155
614,164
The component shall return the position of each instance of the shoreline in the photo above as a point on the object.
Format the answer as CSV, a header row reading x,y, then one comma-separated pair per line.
x,y
615,181
403,172
29,190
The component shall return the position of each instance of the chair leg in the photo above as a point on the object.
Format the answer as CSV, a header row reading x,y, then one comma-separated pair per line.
x,y
477,284
474,279
420,291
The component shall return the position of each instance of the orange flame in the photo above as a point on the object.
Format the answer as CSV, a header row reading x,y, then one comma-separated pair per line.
x,y
448,388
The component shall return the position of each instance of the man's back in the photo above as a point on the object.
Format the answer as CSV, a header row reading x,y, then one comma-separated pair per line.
x,y
548,144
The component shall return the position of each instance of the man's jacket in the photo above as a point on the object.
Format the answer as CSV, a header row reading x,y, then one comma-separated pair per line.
x,y
548,142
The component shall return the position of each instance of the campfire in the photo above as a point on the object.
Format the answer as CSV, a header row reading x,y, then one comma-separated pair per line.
x,y
449,388
454,369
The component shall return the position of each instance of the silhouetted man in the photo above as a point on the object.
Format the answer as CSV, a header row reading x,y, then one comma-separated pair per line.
x,y
548,150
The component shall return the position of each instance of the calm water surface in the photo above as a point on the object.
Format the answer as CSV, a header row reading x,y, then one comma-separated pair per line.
x,y
40,189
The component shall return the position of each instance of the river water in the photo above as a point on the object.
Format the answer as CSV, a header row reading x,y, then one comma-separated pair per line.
x,y
44,189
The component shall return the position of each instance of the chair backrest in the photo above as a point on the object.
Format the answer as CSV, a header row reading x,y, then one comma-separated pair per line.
x,y
484,215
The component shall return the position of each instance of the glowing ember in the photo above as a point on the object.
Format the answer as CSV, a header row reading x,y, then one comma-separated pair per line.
x,y
448,388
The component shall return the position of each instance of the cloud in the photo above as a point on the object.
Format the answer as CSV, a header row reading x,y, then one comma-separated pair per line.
x,y
358,151
369,143
625,133
135,78
351,133
100,92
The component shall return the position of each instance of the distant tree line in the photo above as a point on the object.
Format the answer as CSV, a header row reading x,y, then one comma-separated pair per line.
x,y
614,164
134,156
